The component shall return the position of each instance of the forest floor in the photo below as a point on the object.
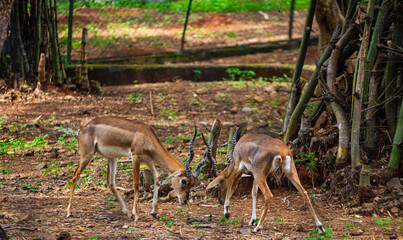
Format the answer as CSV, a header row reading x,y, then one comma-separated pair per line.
x,y
39,153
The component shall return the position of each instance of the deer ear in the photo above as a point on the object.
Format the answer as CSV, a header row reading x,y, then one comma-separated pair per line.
x,y
214,183
176,174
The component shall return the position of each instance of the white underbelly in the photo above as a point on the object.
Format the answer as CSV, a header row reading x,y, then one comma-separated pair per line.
x,y
114,152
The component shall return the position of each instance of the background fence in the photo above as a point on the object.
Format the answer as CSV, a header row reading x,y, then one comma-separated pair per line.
x,y
119,28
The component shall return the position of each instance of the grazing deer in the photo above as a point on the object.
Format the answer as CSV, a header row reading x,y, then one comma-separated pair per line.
x,y
260,155
115,137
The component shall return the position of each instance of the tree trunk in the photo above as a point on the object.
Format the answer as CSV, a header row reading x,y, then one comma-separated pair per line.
x,y
5,16
358,89
328,16
296,86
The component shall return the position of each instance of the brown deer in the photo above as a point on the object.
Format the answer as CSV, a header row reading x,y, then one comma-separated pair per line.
x,y
115,137
260,155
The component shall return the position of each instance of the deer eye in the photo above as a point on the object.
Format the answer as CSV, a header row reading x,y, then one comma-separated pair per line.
x,y
183,181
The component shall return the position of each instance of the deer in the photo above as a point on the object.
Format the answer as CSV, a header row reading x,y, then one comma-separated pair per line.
x,y
114,137
260,155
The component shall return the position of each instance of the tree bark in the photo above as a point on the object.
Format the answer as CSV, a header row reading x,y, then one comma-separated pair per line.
x,y
296,86
328,16
5,16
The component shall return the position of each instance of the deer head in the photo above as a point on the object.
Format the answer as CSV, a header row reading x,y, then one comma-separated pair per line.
x,y
183,181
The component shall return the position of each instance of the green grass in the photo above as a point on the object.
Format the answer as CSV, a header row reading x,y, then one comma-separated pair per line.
x,y
197,5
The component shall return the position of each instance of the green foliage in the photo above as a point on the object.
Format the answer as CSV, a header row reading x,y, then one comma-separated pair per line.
x,y
283,79
2,120
316,235
222,219
278,219
308,160
28,187
135,98
197,74
168,220
237,74
6,171
53,170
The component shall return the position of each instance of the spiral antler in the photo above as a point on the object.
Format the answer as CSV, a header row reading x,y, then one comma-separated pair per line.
x,y
188,170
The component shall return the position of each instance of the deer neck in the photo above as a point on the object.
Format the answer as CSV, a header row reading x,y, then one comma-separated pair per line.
x,y
165,160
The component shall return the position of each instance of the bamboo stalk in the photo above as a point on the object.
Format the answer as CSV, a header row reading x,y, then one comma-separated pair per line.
x,y
56,31
358,89
84,83
303,101
296,86
229,146
292,5
70,31
396,154
342,153
185,26
215,131
24,65
370,138
352,5
390,75
53,47
38,36
365,176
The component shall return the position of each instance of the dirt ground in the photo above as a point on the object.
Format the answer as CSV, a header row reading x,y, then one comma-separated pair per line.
x,y
127,31
35,171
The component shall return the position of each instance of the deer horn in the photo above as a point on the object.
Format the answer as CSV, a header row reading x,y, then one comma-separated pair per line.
x,y
208,154
234,139
188,170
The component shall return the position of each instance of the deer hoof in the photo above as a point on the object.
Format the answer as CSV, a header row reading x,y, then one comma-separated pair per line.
x,y
227,215
154,215
321,229
252,222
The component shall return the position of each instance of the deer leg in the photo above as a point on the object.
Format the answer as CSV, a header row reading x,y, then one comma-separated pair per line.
x,y
231,179
236,182
268,196
112,166
85,158
291,173
136,182
152,167
254,195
